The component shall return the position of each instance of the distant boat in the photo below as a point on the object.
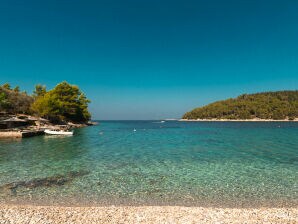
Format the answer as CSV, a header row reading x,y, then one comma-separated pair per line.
x,y
158,122
58,132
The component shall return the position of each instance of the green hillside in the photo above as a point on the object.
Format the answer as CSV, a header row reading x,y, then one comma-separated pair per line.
x,y
267,105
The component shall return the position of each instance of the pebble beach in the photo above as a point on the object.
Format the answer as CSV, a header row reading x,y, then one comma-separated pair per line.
x,y
147,214
144,214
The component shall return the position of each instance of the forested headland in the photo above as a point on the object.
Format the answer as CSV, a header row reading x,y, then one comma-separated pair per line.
x,y
280,105
64,103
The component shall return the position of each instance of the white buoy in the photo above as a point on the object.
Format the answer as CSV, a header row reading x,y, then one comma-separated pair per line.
x,y
134,130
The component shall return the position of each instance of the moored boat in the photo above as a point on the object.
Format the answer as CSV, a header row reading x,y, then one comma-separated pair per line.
x,y
58,132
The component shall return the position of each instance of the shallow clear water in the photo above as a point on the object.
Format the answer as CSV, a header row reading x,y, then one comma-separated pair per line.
x,y
171,163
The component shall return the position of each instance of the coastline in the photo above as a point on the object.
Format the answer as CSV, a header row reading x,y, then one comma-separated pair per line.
x,y
29,126
144,214
238,120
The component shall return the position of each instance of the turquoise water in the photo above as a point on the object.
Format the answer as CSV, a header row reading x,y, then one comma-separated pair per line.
x,y
172,163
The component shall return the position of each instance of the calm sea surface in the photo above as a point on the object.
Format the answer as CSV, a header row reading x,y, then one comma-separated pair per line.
x,y
172,163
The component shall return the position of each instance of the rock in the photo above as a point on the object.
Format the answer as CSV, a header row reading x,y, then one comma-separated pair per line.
x,y
57,180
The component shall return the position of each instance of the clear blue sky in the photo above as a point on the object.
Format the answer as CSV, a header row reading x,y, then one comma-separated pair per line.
x,y
150,59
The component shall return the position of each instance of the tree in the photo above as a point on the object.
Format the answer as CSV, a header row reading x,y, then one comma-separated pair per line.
x,y
64,103
16,89
6,86
3,101
40,90
13,101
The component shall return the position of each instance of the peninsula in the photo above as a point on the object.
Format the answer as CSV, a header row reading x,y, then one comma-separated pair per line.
x,y
24,115
266,106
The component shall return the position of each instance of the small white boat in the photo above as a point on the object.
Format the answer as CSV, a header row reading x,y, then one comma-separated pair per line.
x,y
158,122
58,132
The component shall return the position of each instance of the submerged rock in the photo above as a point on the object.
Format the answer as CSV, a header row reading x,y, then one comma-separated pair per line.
x,y
56,180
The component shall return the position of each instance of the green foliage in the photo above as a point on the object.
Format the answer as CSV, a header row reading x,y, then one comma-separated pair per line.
x,y
16,89
3,100
6,86
64,103
267,105
40,90
13,101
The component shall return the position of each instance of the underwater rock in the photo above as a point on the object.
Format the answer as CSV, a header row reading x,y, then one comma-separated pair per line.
x,y
56,180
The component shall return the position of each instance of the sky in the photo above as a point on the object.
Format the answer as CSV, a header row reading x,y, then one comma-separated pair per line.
x,y
150,59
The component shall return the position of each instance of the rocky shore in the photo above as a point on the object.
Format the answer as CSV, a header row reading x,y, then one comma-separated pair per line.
x,y
21,125
143,214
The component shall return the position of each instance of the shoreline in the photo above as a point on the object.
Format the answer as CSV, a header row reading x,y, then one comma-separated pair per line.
x,y
237,120
30,126
144,214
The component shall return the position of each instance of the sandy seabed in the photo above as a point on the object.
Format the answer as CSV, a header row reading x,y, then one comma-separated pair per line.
x,y
10,214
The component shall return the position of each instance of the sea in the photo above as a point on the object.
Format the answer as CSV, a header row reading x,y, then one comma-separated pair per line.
x,y
136,163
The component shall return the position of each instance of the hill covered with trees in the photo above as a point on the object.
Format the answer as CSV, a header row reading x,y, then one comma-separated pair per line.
x,y
267,105
63,103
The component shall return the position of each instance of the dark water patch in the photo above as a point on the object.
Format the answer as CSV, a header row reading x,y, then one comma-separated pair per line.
x,y
56,180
